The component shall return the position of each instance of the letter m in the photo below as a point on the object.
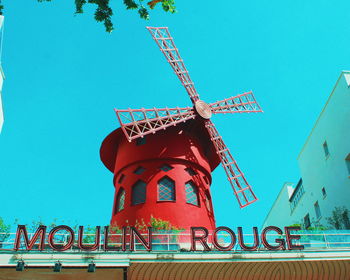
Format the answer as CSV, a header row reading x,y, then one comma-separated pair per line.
x,y
21,229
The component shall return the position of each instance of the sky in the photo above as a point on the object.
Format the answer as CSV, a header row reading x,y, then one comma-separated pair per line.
x,y
65,75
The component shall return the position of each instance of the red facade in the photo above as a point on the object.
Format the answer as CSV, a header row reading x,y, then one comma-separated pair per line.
x,y
166,175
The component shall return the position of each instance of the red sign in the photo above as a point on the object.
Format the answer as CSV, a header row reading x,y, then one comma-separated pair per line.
x,y
199,235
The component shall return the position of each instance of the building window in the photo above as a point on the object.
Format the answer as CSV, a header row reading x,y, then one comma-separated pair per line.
x,y
121,178
317,210
141,141
119,204
307,223
138,193
324,192
325,149
139,170
297,195
191,193
166,167
190,171
347,162
166,189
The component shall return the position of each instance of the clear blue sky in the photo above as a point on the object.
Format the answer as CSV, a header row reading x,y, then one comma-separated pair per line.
x,y
65,74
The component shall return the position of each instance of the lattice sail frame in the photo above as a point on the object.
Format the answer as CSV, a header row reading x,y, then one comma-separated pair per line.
x,y
137,123
140,122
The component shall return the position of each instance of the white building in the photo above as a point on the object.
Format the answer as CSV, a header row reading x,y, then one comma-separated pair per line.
x,y
324,163
1,74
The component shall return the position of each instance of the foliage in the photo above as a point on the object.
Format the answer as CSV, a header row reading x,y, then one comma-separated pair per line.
x,y
159,224
89,235
4,230
317,226
104,12
339,218
155,224
296,225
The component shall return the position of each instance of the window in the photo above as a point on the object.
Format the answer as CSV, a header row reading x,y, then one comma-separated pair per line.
x,y
325,149
317,210
191,193
166,167
347,162
141,141
307,223
190,171
166,189
119,204
324,192
139,170
121,178
297,195
138,193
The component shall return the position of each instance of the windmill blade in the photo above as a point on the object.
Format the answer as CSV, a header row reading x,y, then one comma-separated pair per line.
x,y
166,44
242,190
137,123
243,103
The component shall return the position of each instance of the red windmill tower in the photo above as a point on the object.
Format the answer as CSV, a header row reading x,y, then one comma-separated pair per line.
x,y
162,164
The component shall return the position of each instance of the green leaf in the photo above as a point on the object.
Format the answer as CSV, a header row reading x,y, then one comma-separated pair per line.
x,y
79,6
169,6
130,4
144,13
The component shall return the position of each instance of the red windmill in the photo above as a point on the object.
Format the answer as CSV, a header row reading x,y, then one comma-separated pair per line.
x,y
182,149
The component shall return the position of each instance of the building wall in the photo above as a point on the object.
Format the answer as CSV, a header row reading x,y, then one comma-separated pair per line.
x,y
279,214
319,170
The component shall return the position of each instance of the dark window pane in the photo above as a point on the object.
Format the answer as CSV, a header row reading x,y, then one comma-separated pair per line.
x,y
120,201
317,210
325,149
191,193
139,193
139,170
166,189
307,223
166,167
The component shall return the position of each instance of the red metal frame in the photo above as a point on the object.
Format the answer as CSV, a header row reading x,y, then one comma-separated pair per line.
x,y
243,103
140,122
239,184
137,123
166,44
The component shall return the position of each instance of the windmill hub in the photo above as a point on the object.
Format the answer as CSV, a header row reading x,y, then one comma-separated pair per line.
x,y
203,109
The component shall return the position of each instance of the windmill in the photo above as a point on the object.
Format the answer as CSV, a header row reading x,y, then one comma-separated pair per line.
x,y
137,123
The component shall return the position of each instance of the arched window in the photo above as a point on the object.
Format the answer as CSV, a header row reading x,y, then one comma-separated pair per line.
x,y
166,167
139,170
191,193
138,193
119,204
166,189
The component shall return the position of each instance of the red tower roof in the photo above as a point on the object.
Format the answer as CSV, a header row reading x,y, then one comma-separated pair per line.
x,y
110,145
